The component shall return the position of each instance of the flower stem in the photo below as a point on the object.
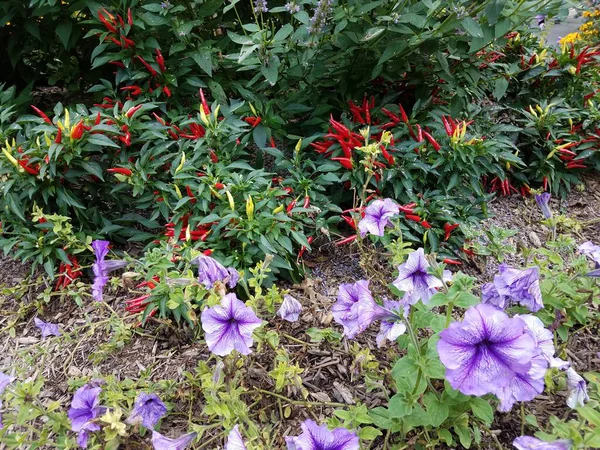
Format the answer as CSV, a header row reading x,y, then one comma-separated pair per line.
x,y
297,402
522,419
449,309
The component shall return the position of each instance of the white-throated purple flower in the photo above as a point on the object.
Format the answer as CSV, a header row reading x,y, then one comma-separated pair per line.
x,y
290,309
414,280
542,201
345,309
541,21
315,437
531,443
210,271
392,326
234,440
148,409
85,407
102,268
515,285
47,328
593,252
485,351
377,217
229,326
577,389
160,442
260,6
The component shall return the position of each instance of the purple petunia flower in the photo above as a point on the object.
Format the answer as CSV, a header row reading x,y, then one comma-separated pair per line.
x,y
531,443
514,285
234,440
85,407
523,387
345,309
392,326
544,340
542,201
160,442
210,271
485,351
5,380
229,326
377,217
102,268
315,437
414,280
590,250
47,328
290,309
148,409
577,389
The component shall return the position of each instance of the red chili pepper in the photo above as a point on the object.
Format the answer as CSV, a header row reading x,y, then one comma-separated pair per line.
x,y
349,221
425,224
41,113
129,17
133,90
290,206
27,168
449,229
576,165
190,194
387,156
391,115
110,27
160,60
432,141
148,66
403,114
340,128
413,217
58,139
346,240
419,134
173,135
545,183
345,162
219,186
121,171
452,261
213,157
303,249
273,142
131,111
254,121
204,103
306,203
77,131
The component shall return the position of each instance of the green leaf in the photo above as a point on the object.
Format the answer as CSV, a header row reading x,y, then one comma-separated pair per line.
x,y
493,11
472,27
369,433
204,60
94,168
283,32
464,435
63,30
482,410
399,407
500,88
438,411
270,70
381,418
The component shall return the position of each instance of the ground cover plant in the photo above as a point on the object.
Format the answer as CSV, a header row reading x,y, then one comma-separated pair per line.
x,y
211,155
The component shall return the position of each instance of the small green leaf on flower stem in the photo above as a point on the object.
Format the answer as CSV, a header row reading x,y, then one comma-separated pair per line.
x,y
482,410
464,435
445,435
399,406
369,433
438,411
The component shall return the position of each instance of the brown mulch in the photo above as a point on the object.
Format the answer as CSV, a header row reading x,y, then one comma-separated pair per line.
x,y
97,344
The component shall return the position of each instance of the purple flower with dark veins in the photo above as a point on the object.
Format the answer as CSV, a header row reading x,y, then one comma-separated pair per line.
x,y
577,389
542,201
377,217
229,326
485,351
290,309
148,409
593,252
315,437
85,407
531,443
514,285
414,280
234,440
345,309
210,271
160,442
523,387
5,380
102,268
392,326
47,328
544,340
